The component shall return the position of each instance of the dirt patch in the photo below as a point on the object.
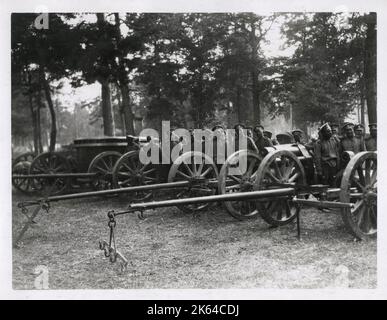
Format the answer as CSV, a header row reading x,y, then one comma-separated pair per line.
x,y
171,249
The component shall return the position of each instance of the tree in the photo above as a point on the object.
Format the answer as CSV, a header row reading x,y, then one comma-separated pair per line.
x,y
370,66
48,51
107,111
323,80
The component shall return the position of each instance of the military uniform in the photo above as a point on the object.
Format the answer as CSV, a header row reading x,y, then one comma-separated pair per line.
x,y
352,144
370,144
327,159
263,142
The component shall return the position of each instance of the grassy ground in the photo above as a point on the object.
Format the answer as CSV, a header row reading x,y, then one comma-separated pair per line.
x,y
174,250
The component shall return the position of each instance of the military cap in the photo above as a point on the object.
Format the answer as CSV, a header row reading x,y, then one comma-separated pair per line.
x,y
217,126
325,125
268,134
359,126
347,125
297,131
259,126
372,125
239,125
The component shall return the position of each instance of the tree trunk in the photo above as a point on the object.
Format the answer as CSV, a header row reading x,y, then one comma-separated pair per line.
x,y
33,117
238,105
123,84
256,112
362,109
126,109
370,67
38,122
50,104
107,110
255,93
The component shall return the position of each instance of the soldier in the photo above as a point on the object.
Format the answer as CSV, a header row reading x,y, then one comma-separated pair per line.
x,y
240,129
370,142
349,142
249,131
261,141
297,135
359,131
269,134
327,156
335,131
217,127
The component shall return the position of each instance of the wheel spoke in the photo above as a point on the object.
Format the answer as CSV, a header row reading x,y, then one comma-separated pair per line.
x,y
188,168
102,160
178,172
277,169
193,163
251,167
271,175
149,171
129,168
61,166
373,177
181,193
150,179
103,170
294,177
201,167
123,174
254,174
361,176
207,171
237,180
357,182
233,187
126,181
144,167
367,171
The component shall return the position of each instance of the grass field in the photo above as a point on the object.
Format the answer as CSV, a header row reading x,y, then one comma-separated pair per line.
x,y
174,250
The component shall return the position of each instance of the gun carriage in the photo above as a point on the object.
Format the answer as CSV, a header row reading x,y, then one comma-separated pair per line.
x,y
276,184
87,163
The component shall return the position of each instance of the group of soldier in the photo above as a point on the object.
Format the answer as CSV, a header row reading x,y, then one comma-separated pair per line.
x,y
328,150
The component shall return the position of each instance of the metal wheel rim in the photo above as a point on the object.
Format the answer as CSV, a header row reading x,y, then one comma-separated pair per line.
x,y
240,210
288,170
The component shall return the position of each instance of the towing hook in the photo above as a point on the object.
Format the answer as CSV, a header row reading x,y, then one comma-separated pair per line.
x,y
110,214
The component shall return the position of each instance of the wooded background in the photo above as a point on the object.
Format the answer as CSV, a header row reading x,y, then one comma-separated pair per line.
x,y
194,69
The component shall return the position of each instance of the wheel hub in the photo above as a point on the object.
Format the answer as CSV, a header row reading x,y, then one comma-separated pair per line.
x,y
369,197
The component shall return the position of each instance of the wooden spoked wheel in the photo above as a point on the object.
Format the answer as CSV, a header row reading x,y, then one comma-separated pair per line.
x,y
25,157
129,171
50,163
359,187
103,165
279,169
22,184
21,166
238,174
200,170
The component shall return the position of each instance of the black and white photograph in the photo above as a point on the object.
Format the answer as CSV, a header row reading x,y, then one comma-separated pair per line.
x,y
192,149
